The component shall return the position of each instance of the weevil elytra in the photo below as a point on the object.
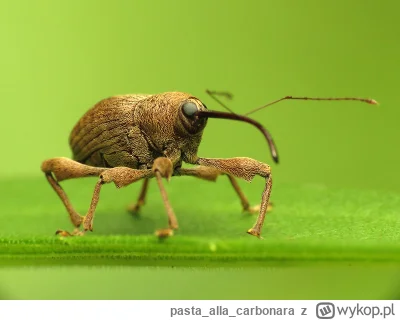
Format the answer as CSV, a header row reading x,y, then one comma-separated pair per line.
x,y
123,139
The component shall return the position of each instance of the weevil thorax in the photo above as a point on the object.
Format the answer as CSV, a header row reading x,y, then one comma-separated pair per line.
x,y
168,121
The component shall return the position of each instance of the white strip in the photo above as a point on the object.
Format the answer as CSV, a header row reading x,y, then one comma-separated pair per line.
x,y
199,309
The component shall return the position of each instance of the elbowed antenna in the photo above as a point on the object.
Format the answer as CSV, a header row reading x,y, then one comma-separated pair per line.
x,y
234,116
370,101
227,95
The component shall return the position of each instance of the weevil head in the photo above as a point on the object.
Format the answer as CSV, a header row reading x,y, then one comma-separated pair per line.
x,y
169,121
171,113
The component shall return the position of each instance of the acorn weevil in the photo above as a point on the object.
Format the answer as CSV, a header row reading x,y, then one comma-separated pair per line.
x,y
126,138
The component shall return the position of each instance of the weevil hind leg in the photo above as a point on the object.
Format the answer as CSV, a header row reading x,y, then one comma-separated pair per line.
x,y
211,174
87,220
134,208
59,169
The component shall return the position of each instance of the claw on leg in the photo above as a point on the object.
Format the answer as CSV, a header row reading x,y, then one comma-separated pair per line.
x,y
64,233
254,232
134,208
252,209
88,224
164,233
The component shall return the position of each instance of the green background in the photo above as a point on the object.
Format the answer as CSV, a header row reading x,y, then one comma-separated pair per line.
x,y
59,58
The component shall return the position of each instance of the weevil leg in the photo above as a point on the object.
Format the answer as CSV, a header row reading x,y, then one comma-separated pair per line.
x,y
211,174
134,208
121,177
243,199
59,169
163,168
247,169
201,172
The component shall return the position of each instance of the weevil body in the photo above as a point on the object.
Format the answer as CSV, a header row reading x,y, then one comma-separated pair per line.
x,y
127,138
133,130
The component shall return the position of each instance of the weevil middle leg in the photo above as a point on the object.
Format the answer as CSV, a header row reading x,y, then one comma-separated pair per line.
x,y
134,208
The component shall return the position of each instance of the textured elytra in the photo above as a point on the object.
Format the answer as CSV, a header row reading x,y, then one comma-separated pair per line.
x,y
133,130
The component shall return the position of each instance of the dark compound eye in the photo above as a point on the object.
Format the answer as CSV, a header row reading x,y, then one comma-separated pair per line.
x,y
189,109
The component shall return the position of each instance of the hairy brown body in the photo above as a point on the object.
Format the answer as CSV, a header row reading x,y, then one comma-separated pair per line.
x,y
125,138
131,131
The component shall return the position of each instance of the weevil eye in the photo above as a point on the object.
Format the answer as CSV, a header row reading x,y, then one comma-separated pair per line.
x,y
189,109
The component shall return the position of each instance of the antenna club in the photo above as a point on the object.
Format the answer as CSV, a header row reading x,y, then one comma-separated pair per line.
x,y
372,101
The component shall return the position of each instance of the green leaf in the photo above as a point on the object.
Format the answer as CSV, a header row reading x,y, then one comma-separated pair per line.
x,y
309,226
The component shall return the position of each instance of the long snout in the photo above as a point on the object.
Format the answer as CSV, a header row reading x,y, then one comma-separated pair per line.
x,y
237,117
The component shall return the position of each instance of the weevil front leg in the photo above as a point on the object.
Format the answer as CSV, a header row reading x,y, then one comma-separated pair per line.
x,y
243,199
59,169
247,169
211,174
163,168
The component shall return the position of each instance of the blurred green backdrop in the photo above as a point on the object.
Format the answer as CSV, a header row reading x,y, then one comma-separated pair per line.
x,y
59,58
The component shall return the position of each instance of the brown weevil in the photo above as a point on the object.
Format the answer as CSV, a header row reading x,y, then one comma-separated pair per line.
x,y
126,138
